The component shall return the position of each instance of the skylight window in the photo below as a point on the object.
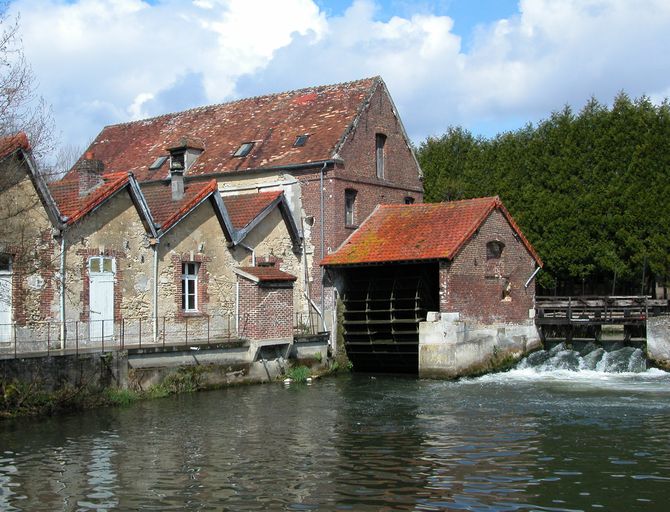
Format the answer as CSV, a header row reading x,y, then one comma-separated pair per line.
x,y
244,149
158,163
300,140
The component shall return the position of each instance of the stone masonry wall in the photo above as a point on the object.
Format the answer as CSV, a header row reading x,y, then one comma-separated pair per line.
x,y
114,230
25,235
198,238
473,286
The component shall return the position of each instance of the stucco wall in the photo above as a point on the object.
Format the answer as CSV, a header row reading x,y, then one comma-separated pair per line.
x,y
25,234
115,230
199,238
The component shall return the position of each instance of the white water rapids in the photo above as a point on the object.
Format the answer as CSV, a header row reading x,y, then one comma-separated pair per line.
x,y
593,368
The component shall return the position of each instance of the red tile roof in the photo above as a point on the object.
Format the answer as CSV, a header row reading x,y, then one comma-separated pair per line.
x,y
272,122
66,194
419,232
164,210
244,208
266,274
11,143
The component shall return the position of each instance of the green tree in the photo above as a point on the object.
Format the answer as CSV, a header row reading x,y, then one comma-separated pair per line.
x,y
589,189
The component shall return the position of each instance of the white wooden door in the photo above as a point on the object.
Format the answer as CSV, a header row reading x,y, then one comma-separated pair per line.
x,y
101,272
5,306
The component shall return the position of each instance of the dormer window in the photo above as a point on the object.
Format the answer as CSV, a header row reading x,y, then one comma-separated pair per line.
x,y
300,140
177,159
244,149
184,153
158,163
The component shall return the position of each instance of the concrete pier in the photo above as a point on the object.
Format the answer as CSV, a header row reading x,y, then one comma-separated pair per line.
x,y
450,347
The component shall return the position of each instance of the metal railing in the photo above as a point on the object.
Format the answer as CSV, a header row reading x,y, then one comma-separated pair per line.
x,y
106,335
307,324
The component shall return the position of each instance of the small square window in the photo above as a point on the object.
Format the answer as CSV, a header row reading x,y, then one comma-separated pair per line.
x,y
300,140
101,264
409,200
244,149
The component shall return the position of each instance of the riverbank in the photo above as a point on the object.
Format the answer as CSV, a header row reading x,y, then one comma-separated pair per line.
x,y
57,383
30,399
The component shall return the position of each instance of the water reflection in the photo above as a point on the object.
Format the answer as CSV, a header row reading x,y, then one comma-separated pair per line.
x,y
512,441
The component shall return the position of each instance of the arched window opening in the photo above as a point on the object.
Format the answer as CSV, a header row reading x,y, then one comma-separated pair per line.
x,y
494,250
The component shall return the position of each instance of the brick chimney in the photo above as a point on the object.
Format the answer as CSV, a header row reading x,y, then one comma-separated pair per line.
x,y
177,179
90,173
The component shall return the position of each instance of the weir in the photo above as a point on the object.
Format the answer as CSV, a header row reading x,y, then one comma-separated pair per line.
x,y
590,357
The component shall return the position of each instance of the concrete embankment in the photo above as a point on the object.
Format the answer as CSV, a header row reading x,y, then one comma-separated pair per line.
x,y
450,348
47,383
658,341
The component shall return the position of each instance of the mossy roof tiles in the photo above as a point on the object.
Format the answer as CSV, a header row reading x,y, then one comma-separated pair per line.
x,y
433,231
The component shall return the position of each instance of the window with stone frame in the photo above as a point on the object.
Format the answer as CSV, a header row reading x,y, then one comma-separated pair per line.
x,y
189,286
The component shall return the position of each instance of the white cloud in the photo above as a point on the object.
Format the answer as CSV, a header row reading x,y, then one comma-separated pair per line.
x,y
107,61
126,52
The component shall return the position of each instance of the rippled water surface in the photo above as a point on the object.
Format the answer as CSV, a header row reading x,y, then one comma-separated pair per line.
x,y
522,440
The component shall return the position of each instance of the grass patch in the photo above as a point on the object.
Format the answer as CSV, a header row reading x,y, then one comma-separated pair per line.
x,y
298,373
122,397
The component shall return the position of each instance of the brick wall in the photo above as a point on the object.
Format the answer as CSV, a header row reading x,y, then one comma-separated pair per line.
x,y
401,179
473,285
265,313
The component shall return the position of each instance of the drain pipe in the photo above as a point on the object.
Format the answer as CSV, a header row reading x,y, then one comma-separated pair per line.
x,y
155,291
305,277
532,276
237,307
323,250
62,291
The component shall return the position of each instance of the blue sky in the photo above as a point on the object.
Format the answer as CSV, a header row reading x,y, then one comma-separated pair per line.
x,y
486,65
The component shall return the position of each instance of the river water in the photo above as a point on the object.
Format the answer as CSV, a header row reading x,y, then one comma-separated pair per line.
x,y
534,438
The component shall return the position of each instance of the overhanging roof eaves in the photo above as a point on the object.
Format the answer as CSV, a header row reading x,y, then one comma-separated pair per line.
x,y
143,208
223,216
42,189
241,233
346,240
209,192
281,203
100,196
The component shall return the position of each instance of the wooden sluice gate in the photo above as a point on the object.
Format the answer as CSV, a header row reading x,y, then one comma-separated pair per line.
x,y
597,317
